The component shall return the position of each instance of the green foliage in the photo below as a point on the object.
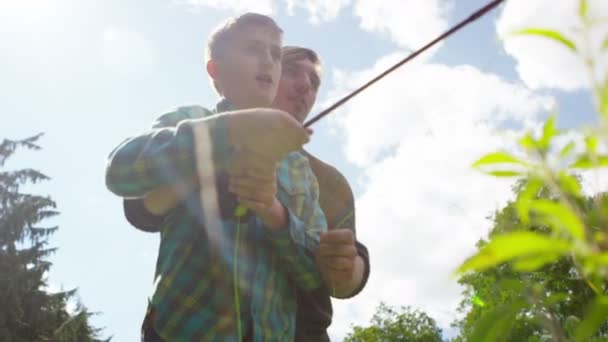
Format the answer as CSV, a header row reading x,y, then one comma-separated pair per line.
x,y
603,106
543,273
28,312
551,34
516,246
388,325
594,319
530,302
583,8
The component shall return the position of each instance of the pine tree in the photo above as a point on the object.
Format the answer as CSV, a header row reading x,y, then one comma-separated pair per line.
x,y
28,312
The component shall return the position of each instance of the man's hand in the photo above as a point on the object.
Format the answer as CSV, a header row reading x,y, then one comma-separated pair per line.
x,y
270,133
338,261
253,181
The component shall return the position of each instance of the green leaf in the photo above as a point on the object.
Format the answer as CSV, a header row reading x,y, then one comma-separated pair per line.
x,y
503,173
566,150
514,245
605,44
559,216
591,142
551,34
601,259
497,158
556,298
569,184
596,315
496,324
582,8
527,142
527,194
585,162
604,96
534,263
549,131
478,301
570,324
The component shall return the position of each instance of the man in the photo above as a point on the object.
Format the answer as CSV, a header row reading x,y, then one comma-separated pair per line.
x,y
342,261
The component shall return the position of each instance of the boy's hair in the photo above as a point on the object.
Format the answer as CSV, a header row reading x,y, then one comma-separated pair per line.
x,y
223,35
296,53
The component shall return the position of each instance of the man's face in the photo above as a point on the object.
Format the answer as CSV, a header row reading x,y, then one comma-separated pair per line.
x,y
248,73
298,88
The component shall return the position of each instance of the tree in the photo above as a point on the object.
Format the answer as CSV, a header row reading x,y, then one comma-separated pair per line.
x,y
28,312
559,295
389,325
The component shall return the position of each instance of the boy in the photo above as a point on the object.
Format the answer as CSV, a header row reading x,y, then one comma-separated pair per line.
x,y
211,263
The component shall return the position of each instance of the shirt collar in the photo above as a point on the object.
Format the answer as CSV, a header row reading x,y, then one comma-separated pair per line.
x,y
223,106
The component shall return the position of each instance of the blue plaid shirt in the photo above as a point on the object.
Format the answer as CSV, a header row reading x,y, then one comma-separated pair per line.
x,y
196,270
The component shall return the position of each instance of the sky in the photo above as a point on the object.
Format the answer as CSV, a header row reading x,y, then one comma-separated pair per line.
x,y
91,73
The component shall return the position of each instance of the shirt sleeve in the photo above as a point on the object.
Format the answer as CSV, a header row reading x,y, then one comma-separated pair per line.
x,y
296,245
139,217
364,254
164,155
135,211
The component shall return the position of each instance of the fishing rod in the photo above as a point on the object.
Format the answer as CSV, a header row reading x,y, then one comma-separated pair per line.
x,y
476,15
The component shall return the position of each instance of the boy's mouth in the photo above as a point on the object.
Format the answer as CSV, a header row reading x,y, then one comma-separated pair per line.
x,y
264,79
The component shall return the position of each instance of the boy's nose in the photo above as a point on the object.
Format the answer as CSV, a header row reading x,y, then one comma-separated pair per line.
x,y
266,58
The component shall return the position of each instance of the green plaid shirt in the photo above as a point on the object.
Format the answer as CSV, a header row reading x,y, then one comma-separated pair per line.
x,y
194,298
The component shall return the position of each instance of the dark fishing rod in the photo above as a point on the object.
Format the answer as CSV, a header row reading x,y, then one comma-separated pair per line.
x,y
476,15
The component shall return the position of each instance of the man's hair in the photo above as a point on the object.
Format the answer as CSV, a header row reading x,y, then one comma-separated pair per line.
x,y
224,34
293,54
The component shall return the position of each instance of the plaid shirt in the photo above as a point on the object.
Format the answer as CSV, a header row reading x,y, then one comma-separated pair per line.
x,y
194,297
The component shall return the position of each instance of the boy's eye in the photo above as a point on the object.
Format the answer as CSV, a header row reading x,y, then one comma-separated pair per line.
x,y
253,48
276,55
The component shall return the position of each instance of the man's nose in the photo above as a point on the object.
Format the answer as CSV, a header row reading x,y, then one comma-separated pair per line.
x,y
303,84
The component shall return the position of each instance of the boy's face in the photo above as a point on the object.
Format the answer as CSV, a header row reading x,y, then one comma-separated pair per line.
x,y
249,72
298,88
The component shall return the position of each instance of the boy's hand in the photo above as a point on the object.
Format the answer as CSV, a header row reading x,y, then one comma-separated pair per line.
x,y
253,181
268,132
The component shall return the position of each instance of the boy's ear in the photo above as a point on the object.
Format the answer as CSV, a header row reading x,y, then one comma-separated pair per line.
x,y
212,69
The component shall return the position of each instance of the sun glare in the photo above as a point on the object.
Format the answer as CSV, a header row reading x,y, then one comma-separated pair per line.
x,y
27,10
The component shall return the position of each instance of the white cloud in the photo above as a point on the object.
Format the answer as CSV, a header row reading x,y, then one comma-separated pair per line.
x,y
128,52
408,23
544,63
319,10
259,6
426,99
422,208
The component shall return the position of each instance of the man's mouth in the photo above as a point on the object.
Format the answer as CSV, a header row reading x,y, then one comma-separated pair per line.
x,y
299,101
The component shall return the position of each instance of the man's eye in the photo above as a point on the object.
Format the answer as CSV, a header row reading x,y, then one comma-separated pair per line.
x,y
315,82
291,72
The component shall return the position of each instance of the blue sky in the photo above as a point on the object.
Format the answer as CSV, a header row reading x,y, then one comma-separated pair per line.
x,y
92,73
